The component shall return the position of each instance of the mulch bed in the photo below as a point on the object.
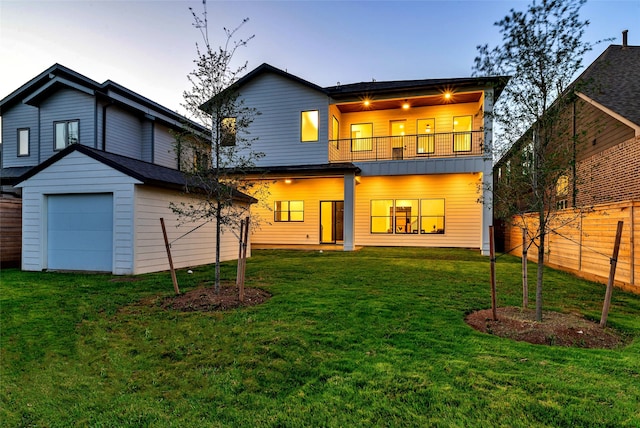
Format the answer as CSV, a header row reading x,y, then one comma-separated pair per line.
x,y
205,299
555,329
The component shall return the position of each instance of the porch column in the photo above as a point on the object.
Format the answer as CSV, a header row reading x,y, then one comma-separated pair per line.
x,y
487,173
349,210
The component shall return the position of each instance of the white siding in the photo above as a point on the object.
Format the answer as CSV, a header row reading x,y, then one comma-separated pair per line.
x,y
76,174
463,212
311,191
280,102
196,248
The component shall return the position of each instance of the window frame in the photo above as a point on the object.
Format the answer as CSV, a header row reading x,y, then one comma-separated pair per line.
x,y
361,139
19,146
417,218
228,131
288,211
463,138
66,133
423,231
303,128
426,139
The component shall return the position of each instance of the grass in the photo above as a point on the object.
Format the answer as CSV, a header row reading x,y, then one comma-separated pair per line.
x,y
370,338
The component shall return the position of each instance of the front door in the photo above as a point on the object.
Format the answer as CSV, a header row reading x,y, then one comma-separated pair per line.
x,y
331,222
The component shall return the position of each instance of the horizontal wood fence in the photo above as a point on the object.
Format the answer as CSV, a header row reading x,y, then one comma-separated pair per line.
x,y
10,232
582,242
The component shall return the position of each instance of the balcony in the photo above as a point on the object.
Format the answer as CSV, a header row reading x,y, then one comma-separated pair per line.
x,y
421,146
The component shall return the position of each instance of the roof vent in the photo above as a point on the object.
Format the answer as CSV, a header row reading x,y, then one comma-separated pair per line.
x,y
624,38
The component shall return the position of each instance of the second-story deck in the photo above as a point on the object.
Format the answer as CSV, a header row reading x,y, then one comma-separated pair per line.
x,y
418,146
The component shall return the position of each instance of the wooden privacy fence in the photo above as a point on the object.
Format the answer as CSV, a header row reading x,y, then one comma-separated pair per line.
x,y
582,242
10,232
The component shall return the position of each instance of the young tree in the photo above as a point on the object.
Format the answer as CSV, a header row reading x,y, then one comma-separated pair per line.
x,y
216,164
542,49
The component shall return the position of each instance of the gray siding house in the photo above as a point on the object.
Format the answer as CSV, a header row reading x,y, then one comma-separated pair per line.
x,y
95,166
393,163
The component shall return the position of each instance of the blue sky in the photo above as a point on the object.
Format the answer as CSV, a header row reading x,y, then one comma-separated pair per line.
x,y
149,46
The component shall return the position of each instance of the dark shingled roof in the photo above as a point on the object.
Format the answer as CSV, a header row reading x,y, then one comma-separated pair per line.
x,y
613,80
147,173
10,176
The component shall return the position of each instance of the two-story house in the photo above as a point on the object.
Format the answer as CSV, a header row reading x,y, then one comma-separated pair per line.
x,y
601,185
96,169
398,163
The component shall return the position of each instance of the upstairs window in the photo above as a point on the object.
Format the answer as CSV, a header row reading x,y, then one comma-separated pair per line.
x,y
462,133
66,133
286,211
228,132
23,142
309,122
361,137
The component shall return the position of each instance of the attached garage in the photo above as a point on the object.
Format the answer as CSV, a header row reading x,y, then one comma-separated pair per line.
x,y
87,210
80,232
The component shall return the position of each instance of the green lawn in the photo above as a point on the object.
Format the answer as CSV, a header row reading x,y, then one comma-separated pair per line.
x,y
370,338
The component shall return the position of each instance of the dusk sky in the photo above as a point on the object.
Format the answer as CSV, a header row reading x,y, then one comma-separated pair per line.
x,y
149,46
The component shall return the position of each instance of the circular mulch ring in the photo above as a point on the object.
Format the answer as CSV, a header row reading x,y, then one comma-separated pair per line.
x,y
555,329
205,299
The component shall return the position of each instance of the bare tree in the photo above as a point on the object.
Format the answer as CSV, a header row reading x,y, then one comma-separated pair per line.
x,y
216,164
542,50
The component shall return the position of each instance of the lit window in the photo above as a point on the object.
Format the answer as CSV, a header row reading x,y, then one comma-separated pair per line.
x,y
66,133
382,216
426,136
432,216
309,125
361,137
462,133
23,142
289,211
335,129
228,132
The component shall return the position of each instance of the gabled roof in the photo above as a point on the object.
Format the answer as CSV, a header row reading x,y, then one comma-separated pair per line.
x,y
11,175
398,87
58,76
613,80
148,173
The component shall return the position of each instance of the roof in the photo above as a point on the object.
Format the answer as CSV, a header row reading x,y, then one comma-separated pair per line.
x,y
613,80
397,87
148,173
10,176
58,76
312,169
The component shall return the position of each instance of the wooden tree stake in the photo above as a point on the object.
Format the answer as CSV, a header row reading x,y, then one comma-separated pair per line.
x,y
612,275
492,255
168,247
525,275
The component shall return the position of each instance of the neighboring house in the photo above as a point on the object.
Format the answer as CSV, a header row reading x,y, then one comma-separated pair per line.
x,y
96,169
399,163
603,185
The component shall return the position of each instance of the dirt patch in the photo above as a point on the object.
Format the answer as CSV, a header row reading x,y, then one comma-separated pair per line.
x,y
205,299
555,329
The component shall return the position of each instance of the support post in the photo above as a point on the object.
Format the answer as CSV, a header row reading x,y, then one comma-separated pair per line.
x,y
612,275
168,247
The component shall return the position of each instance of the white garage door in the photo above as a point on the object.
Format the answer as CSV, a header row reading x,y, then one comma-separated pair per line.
x,y
80,232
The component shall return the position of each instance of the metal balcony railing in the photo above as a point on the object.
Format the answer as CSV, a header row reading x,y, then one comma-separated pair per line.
x,y
437,145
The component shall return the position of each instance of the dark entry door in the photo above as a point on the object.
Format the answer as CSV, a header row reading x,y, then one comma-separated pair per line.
x,y
331,222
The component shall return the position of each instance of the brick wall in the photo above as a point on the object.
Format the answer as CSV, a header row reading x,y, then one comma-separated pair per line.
x,y
612,175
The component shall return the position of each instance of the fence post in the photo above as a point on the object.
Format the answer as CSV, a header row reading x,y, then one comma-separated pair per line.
x,y
492,255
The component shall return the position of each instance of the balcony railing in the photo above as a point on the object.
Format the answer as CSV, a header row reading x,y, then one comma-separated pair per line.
x,y
437,145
